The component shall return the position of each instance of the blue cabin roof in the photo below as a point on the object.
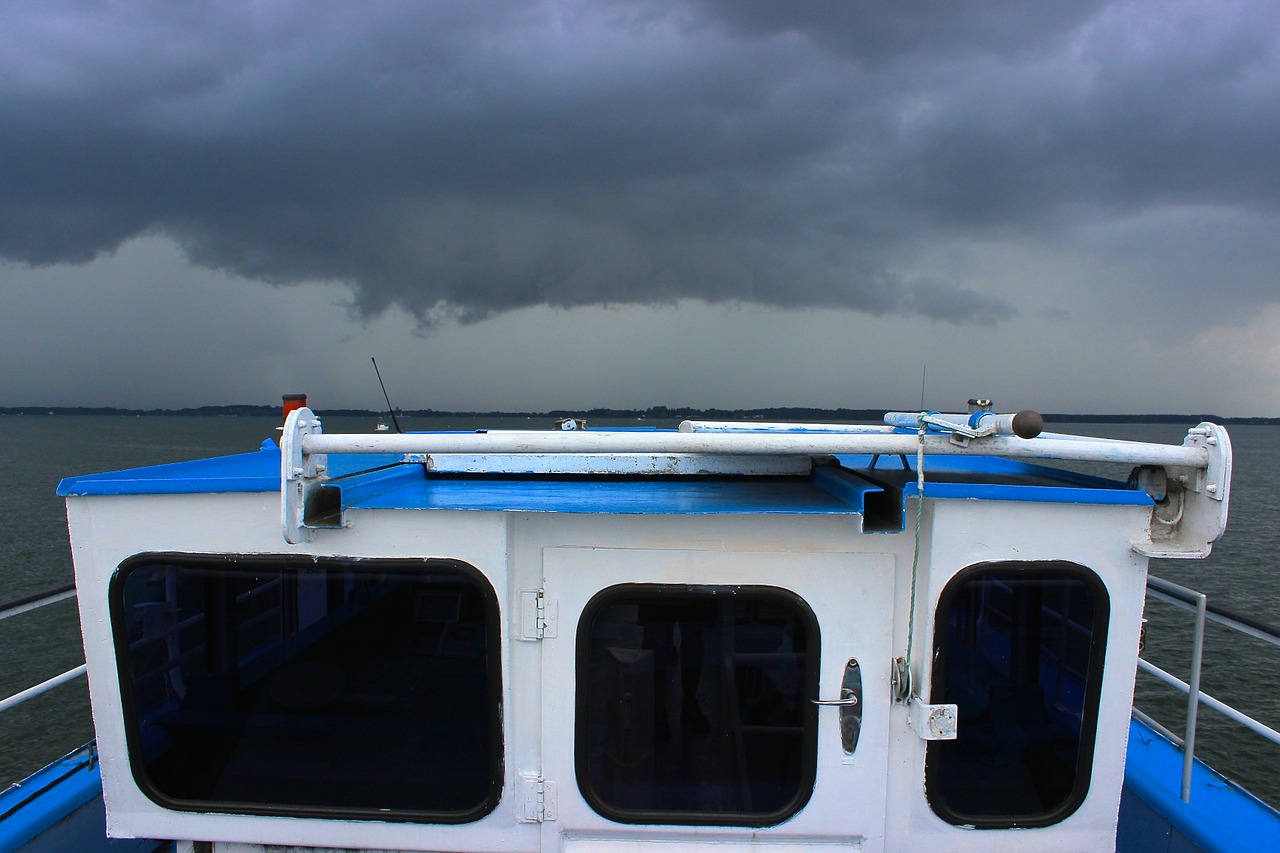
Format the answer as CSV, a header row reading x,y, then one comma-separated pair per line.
x,y
387,482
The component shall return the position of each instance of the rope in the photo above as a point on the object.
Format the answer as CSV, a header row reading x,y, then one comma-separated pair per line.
x,y
915,555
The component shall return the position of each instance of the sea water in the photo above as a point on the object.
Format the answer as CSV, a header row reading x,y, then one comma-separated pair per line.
x,y
37,451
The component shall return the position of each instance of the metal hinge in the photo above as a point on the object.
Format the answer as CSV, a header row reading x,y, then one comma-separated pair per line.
x,y
539,615
537,799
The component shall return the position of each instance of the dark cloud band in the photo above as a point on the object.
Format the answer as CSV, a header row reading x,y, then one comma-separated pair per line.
x,y
463,160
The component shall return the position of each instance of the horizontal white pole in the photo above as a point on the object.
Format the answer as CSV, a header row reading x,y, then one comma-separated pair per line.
x,y
36,604
785,427
580,441
1216,704
42,687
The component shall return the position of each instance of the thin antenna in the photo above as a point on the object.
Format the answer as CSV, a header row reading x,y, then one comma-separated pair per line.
x,y
924,371
390,408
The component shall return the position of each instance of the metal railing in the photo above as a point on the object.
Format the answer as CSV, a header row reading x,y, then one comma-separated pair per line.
x,y
28,604
1198,604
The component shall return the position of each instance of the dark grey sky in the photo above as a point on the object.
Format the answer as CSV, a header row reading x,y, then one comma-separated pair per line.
x,y
737,203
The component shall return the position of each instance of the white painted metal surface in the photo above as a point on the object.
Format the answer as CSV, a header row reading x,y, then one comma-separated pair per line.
x,y
957,534
858,586
784,427
575,575
106,531
299,472
1194,514
667,464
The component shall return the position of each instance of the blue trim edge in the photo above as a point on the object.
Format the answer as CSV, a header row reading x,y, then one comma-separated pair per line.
x,y
46,797
1027,494
1222,817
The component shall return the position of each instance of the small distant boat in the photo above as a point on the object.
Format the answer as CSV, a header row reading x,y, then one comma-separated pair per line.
x,y
731,636
382,426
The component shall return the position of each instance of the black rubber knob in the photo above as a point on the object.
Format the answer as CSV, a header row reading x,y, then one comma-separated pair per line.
x,y
1027,424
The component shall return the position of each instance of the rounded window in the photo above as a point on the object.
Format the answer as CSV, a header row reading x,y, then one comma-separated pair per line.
x,y
693,704
1019,650
326,687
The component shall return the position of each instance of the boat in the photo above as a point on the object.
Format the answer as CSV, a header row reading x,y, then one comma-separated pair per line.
x,y
915,635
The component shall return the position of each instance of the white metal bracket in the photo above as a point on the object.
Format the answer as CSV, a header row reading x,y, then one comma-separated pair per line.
x,y
537,799
932,722
300,473
1193,514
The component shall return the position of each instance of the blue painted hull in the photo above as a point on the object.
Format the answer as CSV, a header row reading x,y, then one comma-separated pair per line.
x,y
1221,816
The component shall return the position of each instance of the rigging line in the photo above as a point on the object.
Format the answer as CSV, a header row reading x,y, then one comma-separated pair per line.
x,y
915,555
390,409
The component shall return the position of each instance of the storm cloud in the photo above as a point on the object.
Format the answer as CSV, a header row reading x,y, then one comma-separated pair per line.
x,y
462,160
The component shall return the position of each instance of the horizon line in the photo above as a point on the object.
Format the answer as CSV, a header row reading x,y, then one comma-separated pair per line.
x,y
651,412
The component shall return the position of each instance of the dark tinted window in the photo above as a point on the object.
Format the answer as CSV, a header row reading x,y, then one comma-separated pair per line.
x,y
350,688
1019,651
693,704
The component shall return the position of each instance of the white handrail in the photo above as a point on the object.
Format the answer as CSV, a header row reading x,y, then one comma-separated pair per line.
x,y
26,605
768,443
1197,602
1201,464
43,687
1209,701
35,602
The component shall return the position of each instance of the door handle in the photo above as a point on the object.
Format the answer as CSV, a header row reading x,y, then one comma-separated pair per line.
x,y
850,705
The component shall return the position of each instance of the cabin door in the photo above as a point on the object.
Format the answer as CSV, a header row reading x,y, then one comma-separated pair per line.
x,y
677,697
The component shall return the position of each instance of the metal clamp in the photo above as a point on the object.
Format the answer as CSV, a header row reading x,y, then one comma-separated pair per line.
x,y
933,722
299,472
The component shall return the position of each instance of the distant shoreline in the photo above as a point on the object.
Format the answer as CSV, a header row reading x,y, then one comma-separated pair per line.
x,y
652,413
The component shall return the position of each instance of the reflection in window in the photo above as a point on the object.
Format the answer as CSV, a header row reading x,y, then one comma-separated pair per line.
x,y
356,689
693,704
1019,649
